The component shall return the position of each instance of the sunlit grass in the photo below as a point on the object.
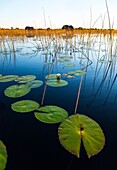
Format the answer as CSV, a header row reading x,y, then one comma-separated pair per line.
x,y
59,32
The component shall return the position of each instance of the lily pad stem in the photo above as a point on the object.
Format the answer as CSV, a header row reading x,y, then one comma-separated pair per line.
x,y
78,96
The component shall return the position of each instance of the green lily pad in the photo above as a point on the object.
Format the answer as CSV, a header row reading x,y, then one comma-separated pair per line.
x,y
51,76
35,83
61,60
80,73
25,79
80,127
51,114
3,156
66,57
57,83
69,64
25,106
17,91
8,78
77,72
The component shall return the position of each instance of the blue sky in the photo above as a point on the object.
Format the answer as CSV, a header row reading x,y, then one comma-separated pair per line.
x,y
55,14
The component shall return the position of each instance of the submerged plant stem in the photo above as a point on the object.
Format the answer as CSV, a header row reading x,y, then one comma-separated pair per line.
x,y
78,96
47,80
43,96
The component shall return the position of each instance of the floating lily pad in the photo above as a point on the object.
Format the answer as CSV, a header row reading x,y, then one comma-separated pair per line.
x,y
80,127
17,91
35,83
70,77
3,156
25,79
57,83
66,57
69,64
67,75
8,78
51,76
61,60
80,73
51,114
77,72
25,106
64,74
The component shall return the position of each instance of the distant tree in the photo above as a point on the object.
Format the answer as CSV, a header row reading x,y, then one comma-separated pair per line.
x,y
11,28
80,28
68,27
65,27
48,28
29,28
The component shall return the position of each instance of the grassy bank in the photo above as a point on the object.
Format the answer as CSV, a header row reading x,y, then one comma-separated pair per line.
x,y
44,32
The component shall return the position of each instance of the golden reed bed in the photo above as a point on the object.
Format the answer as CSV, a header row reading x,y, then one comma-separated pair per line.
x,y
58,32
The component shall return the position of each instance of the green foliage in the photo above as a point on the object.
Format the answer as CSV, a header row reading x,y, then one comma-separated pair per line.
x,y
25,79
57,83
17,91
51,76
25,106
61,60
80,127
51,114
8,78
77,72
35,83
69,64
66,57
3,156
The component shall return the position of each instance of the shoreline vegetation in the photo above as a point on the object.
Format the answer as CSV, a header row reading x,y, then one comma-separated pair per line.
x,y
59,32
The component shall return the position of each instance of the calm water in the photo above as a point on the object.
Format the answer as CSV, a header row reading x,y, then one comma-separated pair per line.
x,y
32,145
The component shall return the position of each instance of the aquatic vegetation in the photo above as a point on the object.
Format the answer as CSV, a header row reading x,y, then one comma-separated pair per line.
x,y
3,156
51,76
8,78
16,91
70,77
77,72
61,60
57,83
51,114
69,64
35,83
75,129
25,79
24,106
80,127
58,76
